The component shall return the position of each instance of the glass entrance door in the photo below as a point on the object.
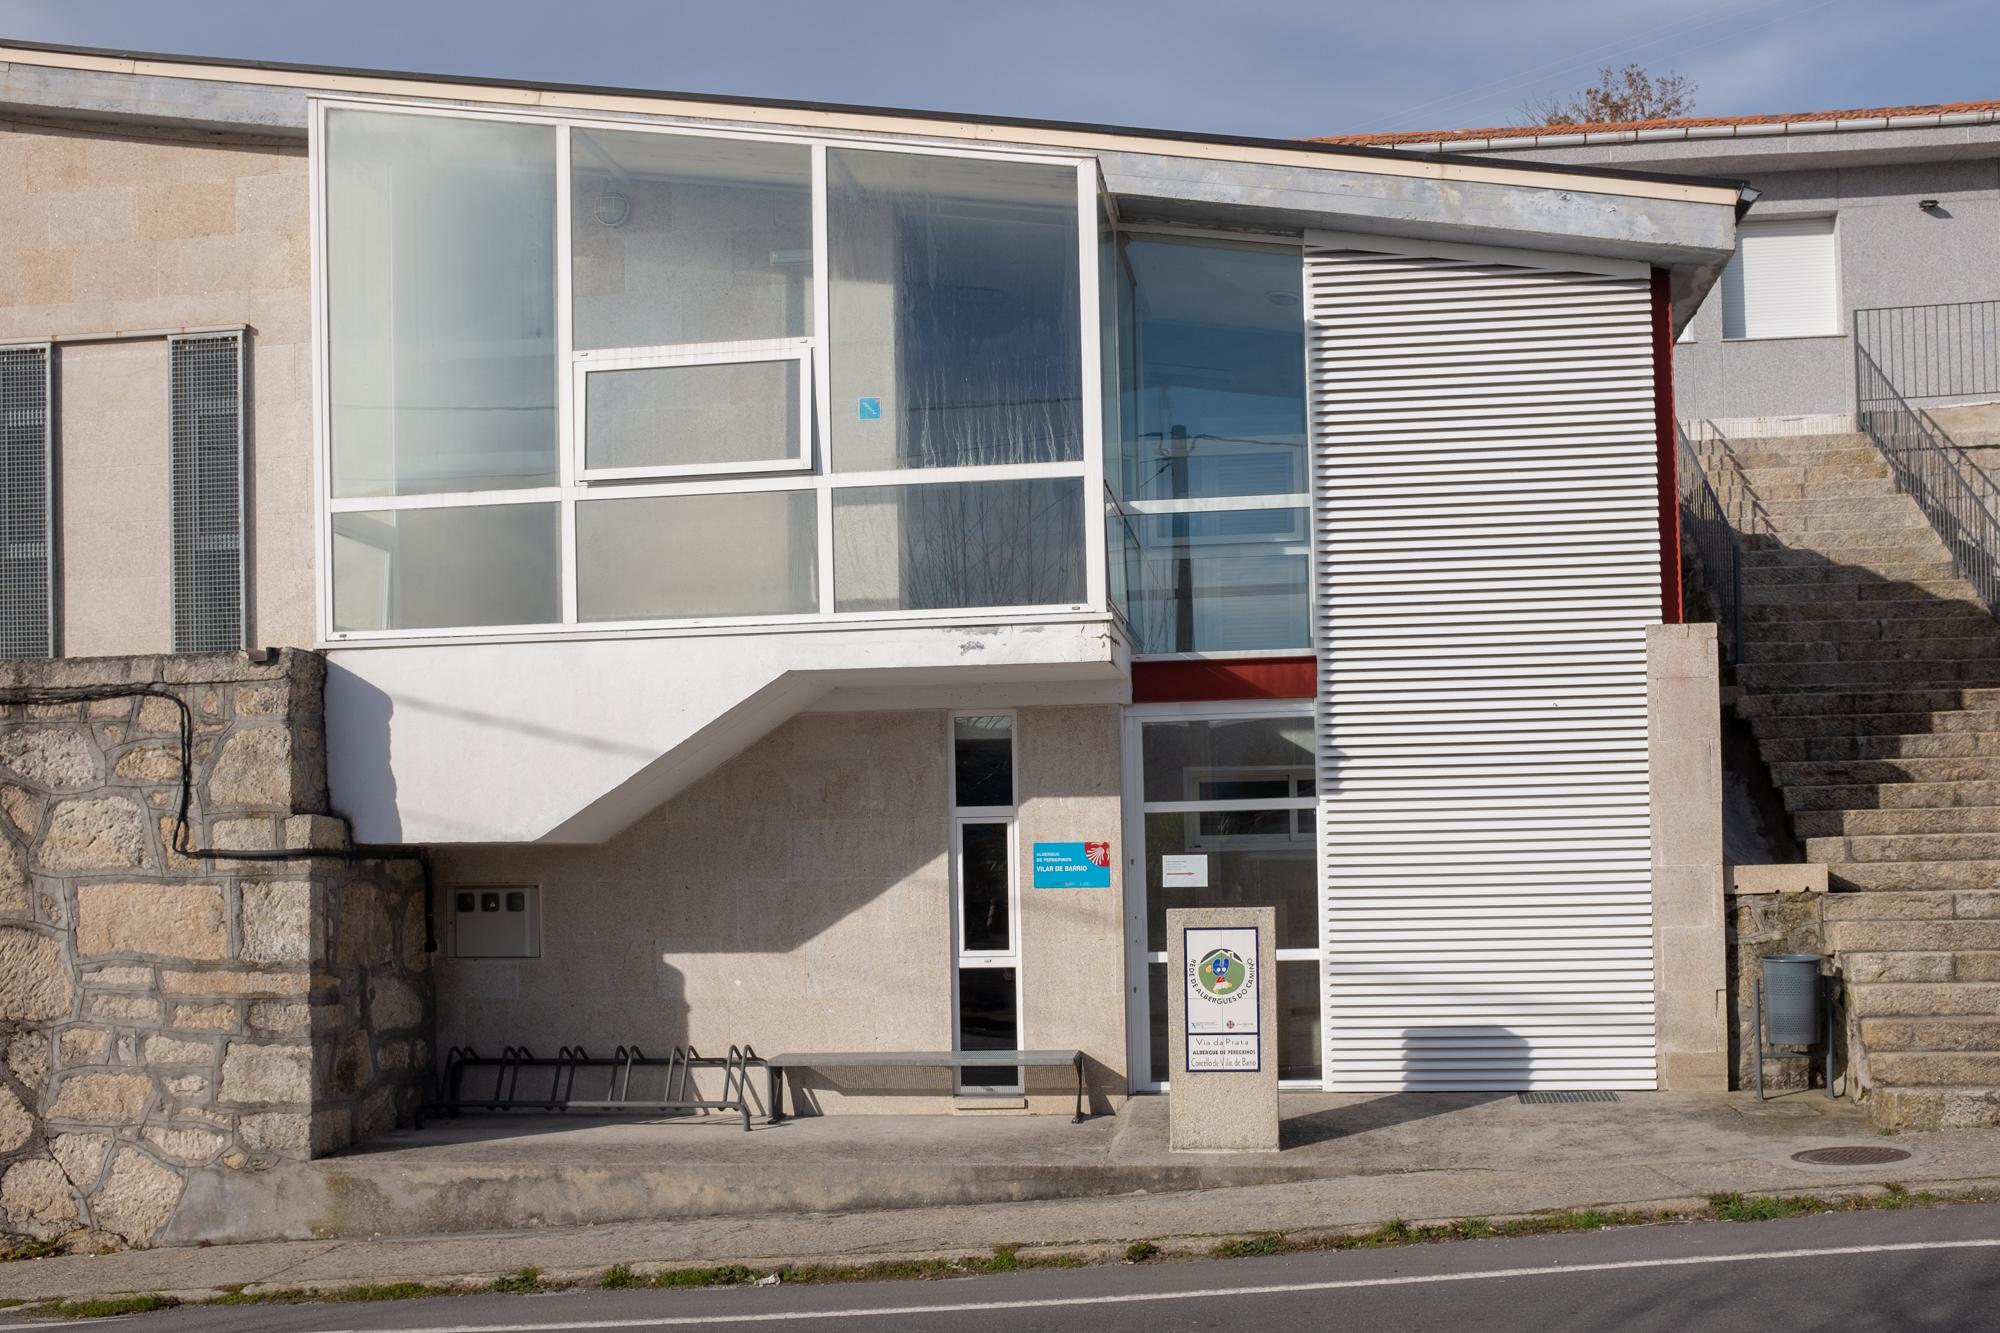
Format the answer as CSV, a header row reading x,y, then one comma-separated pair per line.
x,y
1219,802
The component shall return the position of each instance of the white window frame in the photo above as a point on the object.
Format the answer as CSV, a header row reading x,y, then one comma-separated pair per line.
x,y
573,487
961,957
1299,834
798,351
1139,960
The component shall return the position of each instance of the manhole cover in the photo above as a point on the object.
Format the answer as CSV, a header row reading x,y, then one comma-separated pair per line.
x,y
1863,1156
1539,1098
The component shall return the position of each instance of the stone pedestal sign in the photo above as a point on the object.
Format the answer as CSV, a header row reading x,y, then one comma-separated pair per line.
x,y
1222,1029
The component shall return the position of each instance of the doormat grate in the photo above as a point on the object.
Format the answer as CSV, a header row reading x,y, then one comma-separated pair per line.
x,y
1857,1156
1545,1098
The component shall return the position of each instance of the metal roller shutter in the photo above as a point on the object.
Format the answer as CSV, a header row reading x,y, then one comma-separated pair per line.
x,y
206,480
27,594
1487,554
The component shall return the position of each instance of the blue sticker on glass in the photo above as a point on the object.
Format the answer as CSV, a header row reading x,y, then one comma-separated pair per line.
x,y
869,409
1072,865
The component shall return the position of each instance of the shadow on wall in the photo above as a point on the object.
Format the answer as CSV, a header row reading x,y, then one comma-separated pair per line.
x,y
1452,1060
361,712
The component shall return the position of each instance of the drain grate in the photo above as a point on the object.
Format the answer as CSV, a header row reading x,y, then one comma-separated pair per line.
x,y
1856,1156
1545,1098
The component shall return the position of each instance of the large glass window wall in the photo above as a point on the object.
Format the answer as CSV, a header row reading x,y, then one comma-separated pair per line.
x,y
605,376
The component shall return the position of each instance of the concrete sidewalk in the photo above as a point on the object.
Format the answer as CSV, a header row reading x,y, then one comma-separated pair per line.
x,y
1352,1162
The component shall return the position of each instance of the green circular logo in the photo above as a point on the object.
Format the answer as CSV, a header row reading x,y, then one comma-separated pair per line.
x,y
1221,973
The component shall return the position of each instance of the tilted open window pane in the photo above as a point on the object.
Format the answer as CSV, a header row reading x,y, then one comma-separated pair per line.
x,y
672,557
704,417
954,311
946,545
434,568
440,245
680,239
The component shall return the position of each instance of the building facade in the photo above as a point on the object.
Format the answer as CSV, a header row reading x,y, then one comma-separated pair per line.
x,y
829,578
1879,211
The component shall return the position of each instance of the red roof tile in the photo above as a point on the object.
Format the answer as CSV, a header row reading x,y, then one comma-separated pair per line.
x,y
1677,123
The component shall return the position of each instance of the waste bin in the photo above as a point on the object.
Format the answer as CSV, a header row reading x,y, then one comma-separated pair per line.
x,y
1792,999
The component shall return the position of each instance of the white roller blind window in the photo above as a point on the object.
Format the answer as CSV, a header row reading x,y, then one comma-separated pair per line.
x,y
1781,282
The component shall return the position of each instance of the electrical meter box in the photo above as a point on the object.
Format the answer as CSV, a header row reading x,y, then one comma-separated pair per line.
x,y
496,921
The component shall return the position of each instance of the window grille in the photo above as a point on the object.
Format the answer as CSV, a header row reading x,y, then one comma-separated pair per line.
x,y
206,467
27,598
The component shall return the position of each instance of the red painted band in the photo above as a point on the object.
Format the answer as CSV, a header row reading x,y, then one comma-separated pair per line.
x,y
1195,681
1663,423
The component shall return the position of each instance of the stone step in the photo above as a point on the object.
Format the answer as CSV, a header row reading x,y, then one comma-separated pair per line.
x,y
1869,628
1897,905
1926,1069
1857,480
1891,796
1925,1000
1856,772
1922,674
1851,514
1903,648
1765,552
1934,1108
1845,546
1854,850
1923,876
1848,609
1755,704
1886,571
1772,484
1856,585
1810,824
1931,1034
1893,746
1858,965
1815,454
1806,725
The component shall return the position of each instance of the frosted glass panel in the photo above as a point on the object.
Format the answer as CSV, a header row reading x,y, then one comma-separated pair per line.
x,y
954,309
441,303
445,568
686,416
696,555
958,544
677,239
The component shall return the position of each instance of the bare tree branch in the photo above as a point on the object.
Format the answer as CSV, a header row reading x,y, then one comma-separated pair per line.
x,y
1618,95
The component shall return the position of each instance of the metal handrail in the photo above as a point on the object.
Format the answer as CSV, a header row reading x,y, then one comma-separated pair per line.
x,y
1960,501
1942,350
1718,551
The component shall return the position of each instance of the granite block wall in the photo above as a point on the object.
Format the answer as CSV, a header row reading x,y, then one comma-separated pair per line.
x,y
163,1015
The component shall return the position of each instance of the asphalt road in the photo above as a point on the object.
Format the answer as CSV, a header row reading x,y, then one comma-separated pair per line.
x,y
1917,1269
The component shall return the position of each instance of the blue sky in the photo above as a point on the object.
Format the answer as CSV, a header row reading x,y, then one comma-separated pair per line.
x,y
1271,67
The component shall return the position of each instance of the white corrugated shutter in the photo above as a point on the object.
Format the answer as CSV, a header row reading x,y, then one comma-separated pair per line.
x,y
1780,283
1488,560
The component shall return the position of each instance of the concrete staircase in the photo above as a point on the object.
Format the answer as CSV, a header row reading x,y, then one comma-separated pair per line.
x,y
1871,679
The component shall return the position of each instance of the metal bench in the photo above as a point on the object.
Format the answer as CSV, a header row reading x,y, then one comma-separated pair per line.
x,y
776,1065
606,1084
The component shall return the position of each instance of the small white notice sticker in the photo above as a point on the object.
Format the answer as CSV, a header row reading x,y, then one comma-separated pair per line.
x,y
1179,871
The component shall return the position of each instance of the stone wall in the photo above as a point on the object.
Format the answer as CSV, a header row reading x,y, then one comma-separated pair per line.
x,y
1760,925
163,1016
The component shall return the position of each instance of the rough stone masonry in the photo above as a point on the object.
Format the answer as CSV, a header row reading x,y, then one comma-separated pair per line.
x,y
161,1016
